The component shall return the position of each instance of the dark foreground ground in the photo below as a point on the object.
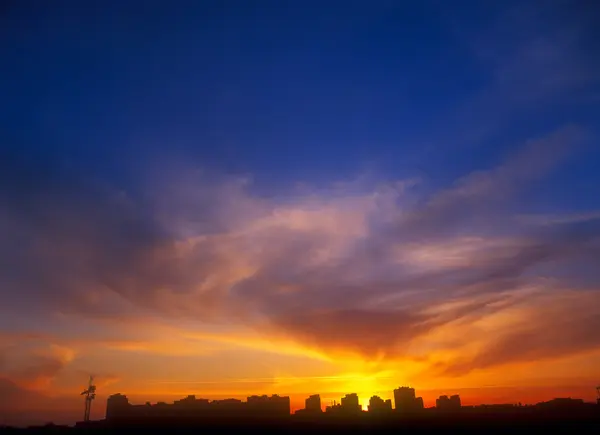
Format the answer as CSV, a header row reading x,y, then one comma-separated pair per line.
x,y
445,429
481,424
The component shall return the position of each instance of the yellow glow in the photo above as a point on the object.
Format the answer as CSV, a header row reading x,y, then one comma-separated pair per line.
x,y
150,360
367,385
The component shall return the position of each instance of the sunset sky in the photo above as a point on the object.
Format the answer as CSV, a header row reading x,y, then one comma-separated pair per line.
x,y
226,198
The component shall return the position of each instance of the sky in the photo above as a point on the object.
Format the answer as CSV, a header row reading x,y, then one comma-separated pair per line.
x,y
226,198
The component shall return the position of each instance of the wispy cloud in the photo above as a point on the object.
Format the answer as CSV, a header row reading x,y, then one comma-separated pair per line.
x,y
370,274
34,364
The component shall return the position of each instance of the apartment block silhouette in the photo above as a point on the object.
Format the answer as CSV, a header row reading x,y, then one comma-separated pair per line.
x,y
313,403
405,400
377,404
445,403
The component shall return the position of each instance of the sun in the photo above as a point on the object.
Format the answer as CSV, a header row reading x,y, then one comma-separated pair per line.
x,y
364,402
365,385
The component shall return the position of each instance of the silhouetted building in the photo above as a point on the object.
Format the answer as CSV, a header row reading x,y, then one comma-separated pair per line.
x,y
313,403
334,408
419,403
441,402
445,403
562,403
190,410
227,408
274,406
405,400
117,406
350,403
312,408
190,406
496,407
190,402
377,404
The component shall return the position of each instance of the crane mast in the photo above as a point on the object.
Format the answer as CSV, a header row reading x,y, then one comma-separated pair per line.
x,y
90,394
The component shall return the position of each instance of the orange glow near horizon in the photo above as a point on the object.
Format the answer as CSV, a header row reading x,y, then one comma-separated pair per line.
x,y
159,372
151,372
285,300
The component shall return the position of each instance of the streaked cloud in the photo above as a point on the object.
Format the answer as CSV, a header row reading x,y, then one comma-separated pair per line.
x,y
34,365
348,273
447,283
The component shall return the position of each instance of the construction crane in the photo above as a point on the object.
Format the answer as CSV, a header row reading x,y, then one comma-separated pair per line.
x,y
90,394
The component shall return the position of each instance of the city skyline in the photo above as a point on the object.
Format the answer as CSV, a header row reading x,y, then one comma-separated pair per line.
x,y
504,397
274,196
274,411
405,402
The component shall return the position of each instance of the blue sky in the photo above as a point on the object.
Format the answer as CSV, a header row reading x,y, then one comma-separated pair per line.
x,y
331,174
293,91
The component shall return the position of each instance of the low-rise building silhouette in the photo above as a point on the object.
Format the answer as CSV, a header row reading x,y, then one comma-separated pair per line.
x,y
445,403
274,405
190,406
190,402
334,408
119,408
561,402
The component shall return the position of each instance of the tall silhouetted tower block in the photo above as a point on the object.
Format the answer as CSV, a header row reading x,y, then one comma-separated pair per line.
x,y
405,400
313,403
442,402
117,406
445,403
377,404
350,403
